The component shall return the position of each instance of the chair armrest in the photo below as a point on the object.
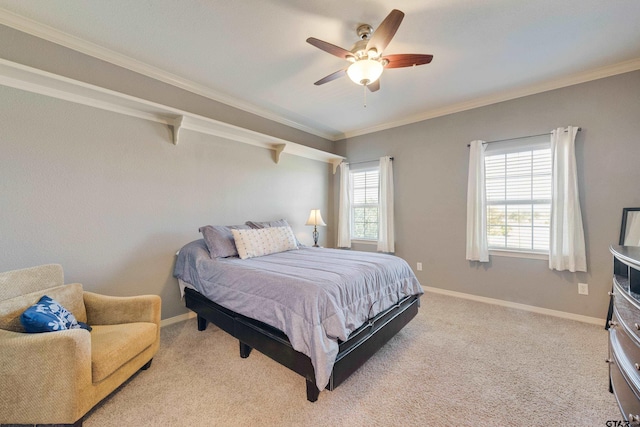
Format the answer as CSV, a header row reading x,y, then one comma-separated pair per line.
x,y
109,310
43,375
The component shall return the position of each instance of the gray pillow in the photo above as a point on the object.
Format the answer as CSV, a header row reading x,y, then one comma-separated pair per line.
x,y
219,239
268,224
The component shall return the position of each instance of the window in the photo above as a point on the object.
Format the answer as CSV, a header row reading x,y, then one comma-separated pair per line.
x,y
364,206
518,194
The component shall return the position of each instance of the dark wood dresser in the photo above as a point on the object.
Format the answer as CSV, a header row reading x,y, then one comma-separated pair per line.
x,y
624,332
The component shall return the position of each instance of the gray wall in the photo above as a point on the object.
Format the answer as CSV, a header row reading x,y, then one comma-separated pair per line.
x,y
430,170
112,199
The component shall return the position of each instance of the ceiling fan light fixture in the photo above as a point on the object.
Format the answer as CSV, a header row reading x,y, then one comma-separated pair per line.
x,y
365,71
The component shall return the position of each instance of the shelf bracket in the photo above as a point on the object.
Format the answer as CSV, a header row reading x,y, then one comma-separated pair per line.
x,y
279,149
177,127
335,163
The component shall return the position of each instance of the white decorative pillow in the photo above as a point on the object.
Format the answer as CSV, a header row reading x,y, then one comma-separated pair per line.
x,y
263,241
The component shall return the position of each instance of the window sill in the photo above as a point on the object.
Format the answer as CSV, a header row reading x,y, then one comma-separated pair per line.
x,y
364,242
518,254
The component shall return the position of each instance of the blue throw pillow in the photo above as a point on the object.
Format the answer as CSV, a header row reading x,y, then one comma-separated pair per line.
x,y
47,315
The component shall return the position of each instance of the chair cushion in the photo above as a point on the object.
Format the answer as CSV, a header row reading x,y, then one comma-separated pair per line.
x,y
69,296
29,280
48,315
114,345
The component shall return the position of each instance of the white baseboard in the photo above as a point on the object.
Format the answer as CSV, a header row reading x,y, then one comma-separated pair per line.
x,y
177,319
532,308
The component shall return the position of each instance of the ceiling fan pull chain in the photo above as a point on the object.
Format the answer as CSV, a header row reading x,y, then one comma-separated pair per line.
x,y
364,87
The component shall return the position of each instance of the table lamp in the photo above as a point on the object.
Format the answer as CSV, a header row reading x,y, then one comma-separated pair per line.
x,y
315,219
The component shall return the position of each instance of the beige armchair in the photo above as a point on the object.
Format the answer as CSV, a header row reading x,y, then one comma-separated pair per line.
x,y
57,377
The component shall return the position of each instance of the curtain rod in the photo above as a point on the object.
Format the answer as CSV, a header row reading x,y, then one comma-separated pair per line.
x,y
365,161
520,137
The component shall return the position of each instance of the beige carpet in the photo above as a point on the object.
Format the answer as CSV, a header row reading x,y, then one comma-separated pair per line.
x,y
458,363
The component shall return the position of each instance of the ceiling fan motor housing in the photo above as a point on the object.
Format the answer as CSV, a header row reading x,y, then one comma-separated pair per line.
x,y
364,31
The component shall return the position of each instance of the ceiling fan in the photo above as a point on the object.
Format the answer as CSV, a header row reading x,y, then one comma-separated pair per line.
x,y
367,62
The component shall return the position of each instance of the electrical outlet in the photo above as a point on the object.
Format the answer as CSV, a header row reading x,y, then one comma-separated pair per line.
x,y
583,288
419,266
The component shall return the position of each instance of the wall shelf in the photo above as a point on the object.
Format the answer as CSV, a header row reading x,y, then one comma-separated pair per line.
x,y
44,83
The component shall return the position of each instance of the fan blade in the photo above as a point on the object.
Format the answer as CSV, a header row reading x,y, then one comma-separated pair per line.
x,y
385,32
374,86
407,60
328,47
330,77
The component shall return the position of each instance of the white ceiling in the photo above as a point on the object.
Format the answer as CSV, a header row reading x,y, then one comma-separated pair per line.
x,y
252,54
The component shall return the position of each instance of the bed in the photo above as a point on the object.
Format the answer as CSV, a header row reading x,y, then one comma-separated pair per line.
x,y
320,312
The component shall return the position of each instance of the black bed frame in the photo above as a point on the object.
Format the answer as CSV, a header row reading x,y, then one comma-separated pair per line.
x,y
272,342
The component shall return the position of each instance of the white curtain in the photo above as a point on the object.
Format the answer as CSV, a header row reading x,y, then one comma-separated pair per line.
x,y
385,229
566,237
344,208
477,246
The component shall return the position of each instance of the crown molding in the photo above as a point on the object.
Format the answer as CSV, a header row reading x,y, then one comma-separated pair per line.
x,y
61,38
583,77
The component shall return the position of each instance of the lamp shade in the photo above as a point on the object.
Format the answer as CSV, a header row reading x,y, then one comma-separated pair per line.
x,y
365,71
315,218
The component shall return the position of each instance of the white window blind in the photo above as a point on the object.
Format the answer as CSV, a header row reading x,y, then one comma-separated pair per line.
x,y
364,206
518,193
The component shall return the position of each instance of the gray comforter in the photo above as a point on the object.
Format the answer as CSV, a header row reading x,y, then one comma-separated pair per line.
x,y
316,296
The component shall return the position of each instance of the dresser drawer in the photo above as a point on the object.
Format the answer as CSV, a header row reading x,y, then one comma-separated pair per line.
x,y
626,346
627,399
628,310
